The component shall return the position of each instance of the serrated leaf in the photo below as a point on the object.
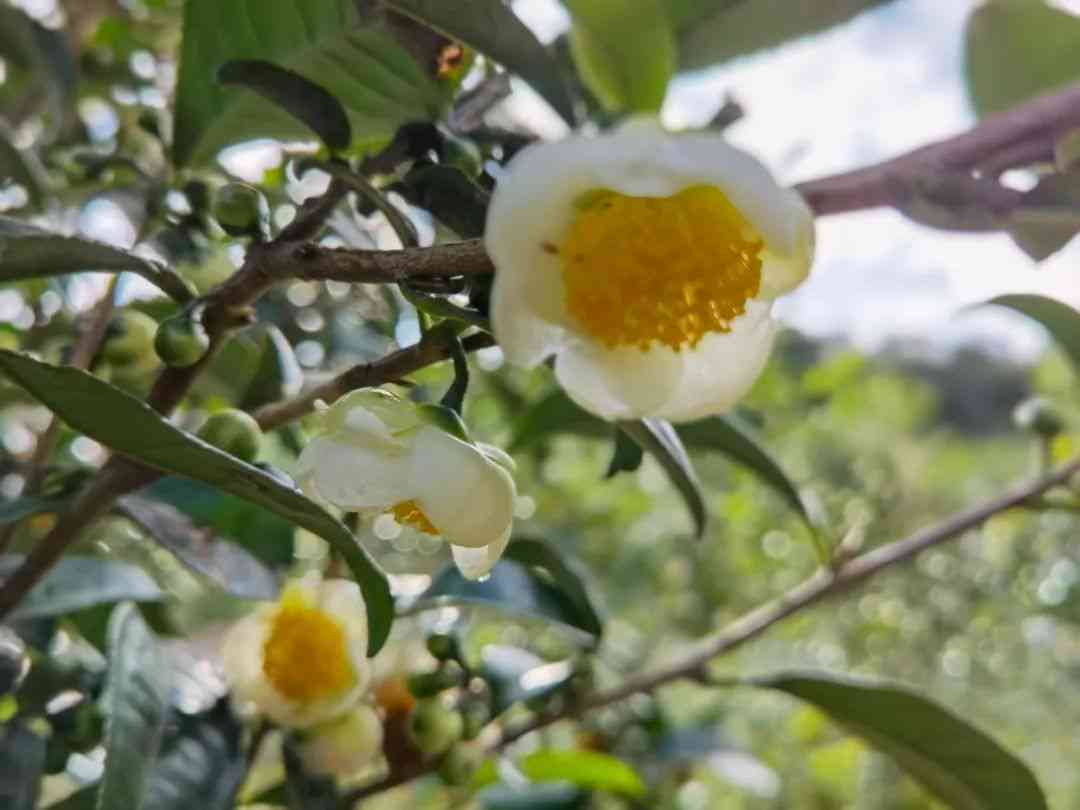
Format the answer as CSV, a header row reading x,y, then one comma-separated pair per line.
x,y
136,708
1014,51
76,583
625,51
491,27
720,30
129,426
659,439
731,436
308,102
201,763
542,588
22,760
953,760
1060,320
515,675
225,564
375,80
27,251
590,770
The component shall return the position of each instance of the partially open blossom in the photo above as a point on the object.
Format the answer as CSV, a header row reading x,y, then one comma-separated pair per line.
x,y
345,745
380,454
301,661
647,264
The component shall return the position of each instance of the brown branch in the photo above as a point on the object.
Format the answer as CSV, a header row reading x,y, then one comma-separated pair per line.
x,y
816,588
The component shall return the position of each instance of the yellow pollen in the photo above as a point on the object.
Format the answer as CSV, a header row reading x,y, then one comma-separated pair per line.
x,y
669,270
305,655
409,512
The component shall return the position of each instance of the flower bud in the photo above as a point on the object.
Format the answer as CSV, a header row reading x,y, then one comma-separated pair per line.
x,y
129,338
242,210
460,764
1038,416
235,432
428,684
344,746
443,646
181,341
433,727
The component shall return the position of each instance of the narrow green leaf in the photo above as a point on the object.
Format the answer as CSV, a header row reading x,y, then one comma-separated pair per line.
x,y
491,27
626,455
545,560
713,31
376,81
76,583
952,759
1060,320
590,770
225,564
44,53
22,760
22,167
1014,51
129,426
277,371
27,251
136,708
659,439
302,98
625,51
734,438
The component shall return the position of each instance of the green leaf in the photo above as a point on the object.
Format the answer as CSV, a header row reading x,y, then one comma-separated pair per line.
x,y
225,564
129,426
306,791
22,167
953,760
515,675
19,508
720,30
552,796
1015,51
625,51
44,54
84,799
590,770
302,98
277,373
555,413
1060,320
541,588
201,763
1049,215
377,82
491,27
735,439
659,439
626,455
136,708
22,760
27,251
77,583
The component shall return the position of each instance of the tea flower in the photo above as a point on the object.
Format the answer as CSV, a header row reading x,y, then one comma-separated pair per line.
x,y
383,455
646,263
343,746
301,661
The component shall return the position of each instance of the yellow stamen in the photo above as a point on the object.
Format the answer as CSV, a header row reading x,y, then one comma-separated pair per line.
x,y
669,270
305,655
409,512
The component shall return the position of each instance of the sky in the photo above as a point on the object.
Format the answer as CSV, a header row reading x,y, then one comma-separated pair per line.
x,y
889,81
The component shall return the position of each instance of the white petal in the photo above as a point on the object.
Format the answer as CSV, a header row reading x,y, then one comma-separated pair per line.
x,y
354,476
723,367
498,455
371,411
525,337
474,563
342,599
465,495
620,383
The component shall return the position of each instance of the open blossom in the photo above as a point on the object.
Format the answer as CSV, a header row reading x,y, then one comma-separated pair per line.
x,y
379,454
647,264
301,661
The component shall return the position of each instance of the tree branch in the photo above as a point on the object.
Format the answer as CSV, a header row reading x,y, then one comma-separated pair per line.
x,y
818,587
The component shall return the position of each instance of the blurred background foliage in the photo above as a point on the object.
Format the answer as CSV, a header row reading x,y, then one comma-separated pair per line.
x,y
878,445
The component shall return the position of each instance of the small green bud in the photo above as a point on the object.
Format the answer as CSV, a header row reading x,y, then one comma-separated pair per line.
x,y
443,646
128,338
477,714
460,764
242,210
181,341
428,684
1037,415
433,727
235,432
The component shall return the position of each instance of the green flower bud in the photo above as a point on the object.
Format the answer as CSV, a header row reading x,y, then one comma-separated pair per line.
x,y
443,646
181,341
433,727
235,432
129,338
242,210
1038,416
477,714
428,684
460,764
